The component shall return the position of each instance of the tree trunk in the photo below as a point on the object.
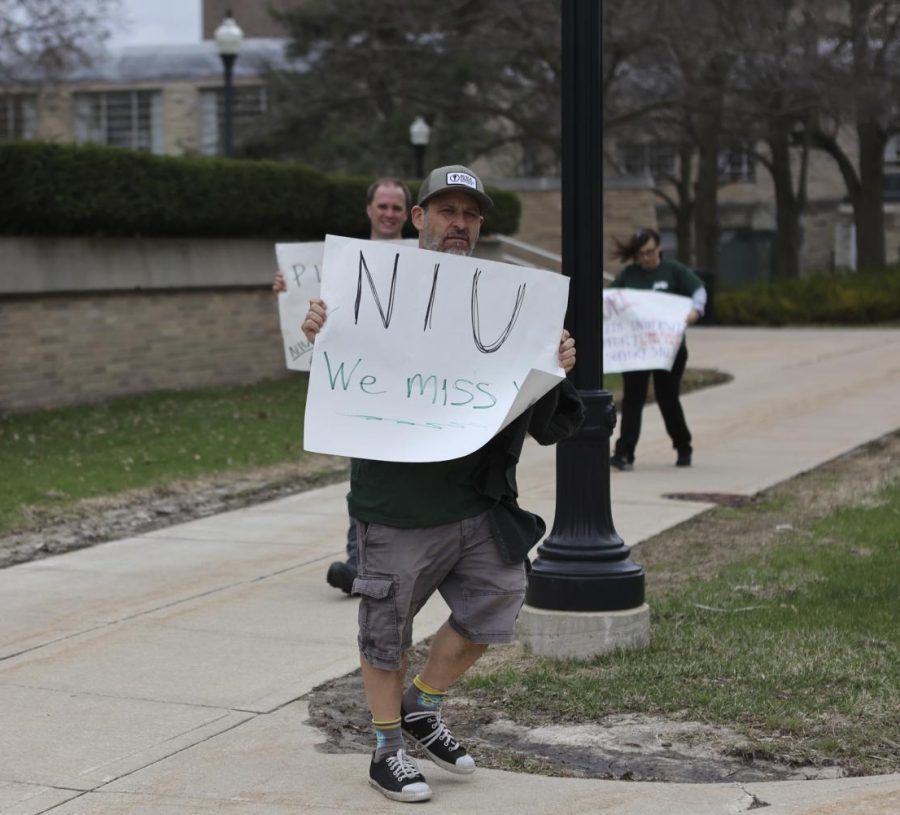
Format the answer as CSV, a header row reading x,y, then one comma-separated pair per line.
x,y
706,216
684,214
788,206
868,206
708,130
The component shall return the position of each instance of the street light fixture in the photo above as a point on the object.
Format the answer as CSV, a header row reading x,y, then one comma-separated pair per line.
x,y
228,38
419,135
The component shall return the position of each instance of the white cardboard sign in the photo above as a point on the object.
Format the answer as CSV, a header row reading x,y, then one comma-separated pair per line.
x,y
642,330
425,356
301,265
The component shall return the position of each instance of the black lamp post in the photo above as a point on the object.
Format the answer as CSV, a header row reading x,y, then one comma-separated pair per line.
x,y
419,135
228,41
584,565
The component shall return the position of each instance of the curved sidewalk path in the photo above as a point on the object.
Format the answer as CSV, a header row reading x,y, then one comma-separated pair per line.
x,y
162,674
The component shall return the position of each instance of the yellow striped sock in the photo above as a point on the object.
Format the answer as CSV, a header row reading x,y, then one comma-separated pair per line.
x,y
428,698
388,737
426,688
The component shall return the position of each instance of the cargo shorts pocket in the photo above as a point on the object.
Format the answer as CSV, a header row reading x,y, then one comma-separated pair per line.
x,y
379,633
490,616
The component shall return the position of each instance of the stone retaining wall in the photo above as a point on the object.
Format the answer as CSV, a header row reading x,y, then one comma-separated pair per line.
x,y
83,347
87,319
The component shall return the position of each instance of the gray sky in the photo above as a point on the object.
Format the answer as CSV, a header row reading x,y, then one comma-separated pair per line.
x,y
156,22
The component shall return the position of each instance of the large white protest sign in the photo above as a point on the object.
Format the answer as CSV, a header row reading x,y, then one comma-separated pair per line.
x,y
424,356
642,330
301,265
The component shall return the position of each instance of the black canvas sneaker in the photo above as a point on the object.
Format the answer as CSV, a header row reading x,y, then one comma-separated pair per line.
x,y
341,575
398,777
621,463
427,729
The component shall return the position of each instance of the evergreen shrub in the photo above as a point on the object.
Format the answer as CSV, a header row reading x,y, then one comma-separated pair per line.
x,y
844,298
64,190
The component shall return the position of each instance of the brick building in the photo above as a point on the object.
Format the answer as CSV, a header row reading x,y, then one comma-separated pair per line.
x,y
163,99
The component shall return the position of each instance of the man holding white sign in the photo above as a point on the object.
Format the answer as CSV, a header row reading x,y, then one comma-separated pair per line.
x,y
387,208
648,271
429,521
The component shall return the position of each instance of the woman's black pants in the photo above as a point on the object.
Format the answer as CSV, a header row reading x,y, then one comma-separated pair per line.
x,y
667,387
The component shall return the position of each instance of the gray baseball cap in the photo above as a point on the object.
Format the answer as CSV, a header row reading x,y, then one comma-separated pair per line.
x,y
457,178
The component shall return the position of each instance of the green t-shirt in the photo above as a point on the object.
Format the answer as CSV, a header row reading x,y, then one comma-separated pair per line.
x,y
670,277
408,495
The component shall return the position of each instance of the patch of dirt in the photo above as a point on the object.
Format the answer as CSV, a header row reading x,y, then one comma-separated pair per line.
x,y
635,746
725,499
135,512
626,747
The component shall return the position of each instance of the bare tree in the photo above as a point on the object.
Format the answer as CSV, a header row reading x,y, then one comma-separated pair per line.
x,y
485,74
644,104
778,91
864,72
697,40
43,38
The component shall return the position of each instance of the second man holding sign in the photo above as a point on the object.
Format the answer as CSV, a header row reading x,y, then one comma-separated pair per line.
x,y
448,526
387,208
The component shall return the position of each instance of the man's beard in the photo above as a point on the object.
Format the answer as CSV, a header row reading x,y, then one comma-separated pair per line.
x,y
433,243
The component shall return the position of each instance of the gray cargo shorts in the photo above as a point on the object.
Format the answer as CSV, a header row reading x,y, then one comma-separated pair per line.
x,y
399,569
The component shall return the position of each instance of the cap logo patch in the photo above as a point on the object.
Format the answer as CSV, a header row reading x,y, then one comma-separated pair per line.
x,y
462,178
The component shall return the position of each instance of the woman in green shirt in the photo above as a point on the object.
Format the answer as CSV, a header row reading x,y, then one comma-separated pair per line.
x,y
648,270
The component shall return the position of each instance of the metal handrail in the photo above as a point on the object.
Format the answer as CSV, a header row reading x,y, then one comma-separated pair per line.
x,y
528,247
540,252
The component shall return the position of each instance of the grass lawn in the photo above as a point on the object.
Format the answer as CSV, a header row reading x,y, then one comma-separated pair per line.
x,y
56,457
794,642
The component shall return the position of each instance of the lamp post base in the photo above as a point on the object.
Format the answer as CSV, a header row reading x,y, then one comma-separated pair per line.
x,y
582,634
584,565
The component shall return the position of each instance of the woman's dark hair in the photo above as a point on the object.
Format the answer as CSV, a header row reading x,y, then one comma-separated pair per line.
x,y
628,250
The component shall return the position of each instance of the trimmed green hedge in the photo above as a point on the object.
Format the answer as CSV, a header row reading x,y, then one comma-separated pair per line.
x,y
847,298
54,189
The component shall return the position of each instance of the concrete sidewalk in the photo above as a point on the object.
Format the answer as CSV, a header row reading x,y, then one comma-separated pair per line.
x,y
162,674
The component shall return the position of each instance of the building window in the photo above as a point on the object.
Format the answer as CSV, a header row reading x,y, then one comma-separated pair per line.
x,y
121,119
892,154
662,159
892,169
248,116
737,164
659,160
18,116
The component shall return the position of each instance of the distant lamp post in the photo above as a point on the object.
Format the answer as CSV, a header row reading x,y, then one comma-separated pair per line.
x,y
228,41
419,134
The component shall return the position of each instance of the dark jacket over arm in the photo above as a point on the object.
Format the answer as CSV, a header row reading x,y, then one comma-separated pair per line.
x,y
554,417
